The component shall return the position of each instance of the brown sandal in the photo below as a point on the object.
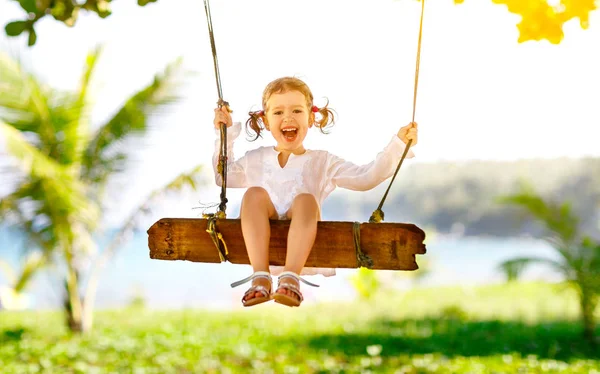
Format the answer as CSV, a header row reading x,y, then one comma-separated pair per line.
x,y
256,288
287,299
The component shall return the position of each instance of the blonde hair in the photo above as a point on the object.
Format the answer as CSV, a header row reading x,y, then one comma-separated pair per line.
x,y
255,124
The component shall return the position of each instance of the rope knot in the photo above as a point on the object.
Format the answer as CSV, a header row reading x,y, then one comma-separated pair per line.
x,y
362,259
377,216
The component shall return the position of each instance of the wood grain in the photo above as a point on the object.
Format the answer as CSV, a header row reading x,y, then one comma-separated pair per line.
x,y
392,246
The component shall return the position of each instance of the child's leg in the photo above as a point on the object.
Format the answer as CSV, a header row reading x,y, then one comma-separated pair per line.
x,y
256,210
304,214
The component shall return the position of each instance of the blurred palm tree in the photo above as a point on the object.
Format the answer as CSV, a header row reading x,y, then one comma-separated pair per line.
x,y
61,166
578,255
13,296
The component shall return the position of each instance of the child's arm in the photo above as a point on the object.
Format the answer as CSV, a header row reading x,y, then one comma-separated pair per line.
x,y
236,169
348,175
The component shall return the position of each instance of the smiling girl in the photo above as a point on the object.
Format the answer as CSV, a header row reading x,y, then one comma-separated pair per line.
x,y
287,181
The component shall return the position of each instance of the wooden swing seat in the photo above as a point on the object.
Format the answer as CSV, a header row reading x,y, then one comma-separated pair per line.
x,y
391,246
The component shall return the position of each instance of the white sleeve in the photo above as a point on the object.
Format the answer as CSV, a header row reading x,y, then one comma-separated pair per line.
x,y
348,175
236,169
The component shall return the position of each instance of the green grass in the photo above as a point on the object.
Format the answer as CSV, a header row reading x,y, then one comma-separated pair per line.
x,y
516,328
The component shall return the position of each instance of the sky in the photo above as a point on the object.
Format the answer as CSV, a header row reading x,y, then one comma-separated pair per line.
x,y
482,95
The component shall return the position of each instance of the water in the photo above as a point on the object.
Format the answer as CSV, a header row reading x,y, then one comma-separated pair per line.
x,y
179,284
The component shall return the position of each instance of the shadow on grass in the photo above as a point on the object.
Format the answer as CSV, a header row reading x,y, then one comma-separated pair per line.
x,y
11,335
454,337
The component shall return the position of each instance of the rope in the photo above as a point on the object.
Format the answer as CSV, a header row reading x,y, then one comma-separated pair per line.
x,y
211,226
222,166
217,237
378,215
362,260
214,49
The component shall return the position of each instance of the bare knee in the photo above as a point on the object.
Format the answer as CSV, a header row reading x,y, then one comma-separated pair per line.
x,y
306,199
256,195
307,205
256,199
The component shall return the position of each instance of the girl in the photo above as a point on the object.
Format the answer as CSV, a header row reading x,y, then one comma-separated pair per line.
x,y
288,181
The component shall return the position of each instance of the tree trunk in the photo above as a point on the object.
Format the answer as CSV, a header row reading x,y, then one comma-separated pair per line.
x,y
90,298
73,302
94,278
589,301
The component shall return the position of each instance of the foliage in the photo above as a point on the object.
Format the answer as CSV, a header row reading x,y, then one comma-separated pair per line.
x,y
365,283
578,255
539,20
65,11
369,283
12,297
498,329
63,166
542,21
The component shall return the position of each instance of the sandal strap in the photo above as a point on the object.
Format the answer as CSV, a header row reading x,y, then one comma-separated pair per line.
x,y
254,289
292,287
291,274
256,274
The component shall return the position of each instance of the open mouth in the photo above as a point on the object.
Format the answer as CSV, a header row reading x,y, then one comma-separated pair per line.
x,y
289,133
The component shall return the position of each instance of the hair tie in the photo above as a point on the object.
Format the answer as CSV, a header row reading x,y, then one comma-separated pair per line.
x,y
315,109
261,113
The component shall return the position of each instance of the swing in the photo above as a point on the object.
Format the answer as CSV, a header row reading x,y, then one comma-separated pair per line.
x,y
216,239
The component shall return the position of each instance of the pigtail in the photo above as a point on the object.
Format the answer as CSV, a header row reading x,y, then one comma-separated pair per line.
x,y
327,118
254,124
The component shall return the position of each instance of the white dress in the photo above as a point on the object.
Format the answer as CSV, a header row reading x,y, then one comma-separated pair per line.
x,y
315,172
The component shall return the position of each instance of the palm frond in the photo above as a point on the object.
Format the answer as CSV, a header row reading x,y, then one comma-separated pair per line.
x,y
24,98
593,248
59,194
30,159
17,210
12,85
190,179
514,268
75,117
558,219
47,116
90,65
106,152
45,219
18,282
34,262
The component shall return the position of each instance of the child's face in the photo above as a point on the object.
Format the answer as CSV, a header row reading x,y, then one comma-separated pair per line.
x,y
288,119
